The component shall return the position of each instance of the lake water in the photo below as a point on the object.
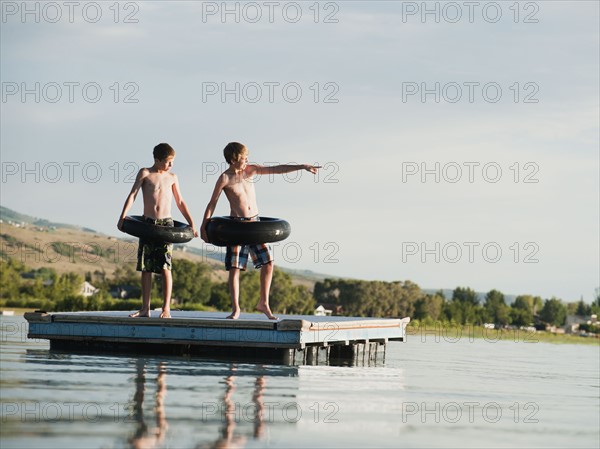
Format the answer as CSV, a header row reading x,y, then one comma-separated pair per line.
x,y
429,392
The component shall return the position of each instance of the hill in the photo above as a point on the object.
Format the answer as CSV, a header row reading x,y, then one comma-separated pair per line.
x,y
71,249
38,243
19,220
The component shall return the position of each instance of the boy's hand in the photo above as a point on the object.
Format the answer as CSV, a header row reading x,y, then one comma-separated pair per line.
x,y
312,168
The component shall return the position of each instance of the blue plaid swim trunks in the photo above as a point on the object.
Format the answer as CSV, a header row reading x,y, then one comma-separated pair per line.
x,y
237,256
155,256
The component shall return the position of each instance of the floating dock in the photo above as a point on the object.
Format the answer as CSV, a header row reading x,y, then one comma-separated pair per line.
x,y
291,339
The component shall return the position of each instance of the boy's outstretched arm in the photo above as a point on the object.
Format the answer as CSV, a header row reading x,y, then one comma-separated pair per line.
x,y
212,204
182,206
284,168
137,184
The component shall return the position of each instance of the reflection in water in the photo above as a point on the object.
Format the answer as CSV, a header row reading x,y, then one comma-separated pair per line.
x,y
145,438
228,439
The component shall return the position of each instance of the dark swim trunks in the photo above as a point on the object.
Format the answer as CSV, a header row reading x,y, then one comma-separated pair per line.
x,y
155,256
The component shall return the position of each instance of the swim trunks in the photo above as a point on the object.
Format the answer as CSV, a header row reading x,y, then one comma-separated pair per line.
x,y
155,256
237,256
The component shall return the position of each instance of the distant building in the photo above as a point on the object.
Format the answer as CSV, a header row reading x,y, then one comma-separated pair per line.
x,y
322,311
125,292
574,321
88,289
328,310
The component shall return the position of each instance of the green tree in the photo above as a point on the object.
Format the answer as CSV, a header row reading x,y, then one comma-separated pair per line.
x,y
583,309
554,312
191,282
249,290
496,309
465,295
369,298
595,308
521,311
126,275
429,306
10,280
464,307
534,303
288,298
219,296
67,285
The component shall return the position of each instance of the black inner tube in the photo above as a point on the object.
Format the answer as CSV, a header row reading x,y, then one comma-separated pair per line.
x,y
227,231
136,226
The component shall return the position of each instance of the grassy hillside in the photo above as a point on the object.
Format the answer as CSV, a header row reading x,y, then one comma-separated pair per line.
x,y
39,243
69,249
12,217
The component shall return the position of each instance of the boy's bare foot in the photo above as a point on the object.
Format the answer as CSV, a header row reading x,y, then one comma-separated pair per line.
x,y
267,311
234,315
140,314
165,313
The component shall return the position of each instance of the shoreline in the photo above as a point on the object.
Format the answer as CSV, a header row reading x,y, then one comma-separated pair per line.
x,y
454,333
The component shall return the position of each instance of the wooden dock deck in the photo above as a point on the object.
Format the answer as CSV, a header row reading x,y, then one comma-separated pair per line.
x,y
291,339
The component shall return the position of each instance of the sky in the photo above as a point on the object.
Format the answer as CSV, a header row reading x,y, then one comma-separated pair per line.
x,y
459,141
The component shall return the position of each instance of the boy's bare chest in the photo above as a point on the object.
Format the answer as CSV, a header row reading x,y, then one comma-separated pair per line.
x,y
157,184
240,186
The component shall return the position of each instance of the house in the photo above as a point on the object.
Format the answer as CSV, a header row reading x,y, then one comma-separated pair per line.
x,y
574,321
328,310
125,292
88,289
322,311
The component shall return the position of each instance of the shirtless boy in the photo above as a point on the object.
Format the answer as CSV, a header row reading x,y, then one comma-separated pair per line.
x,y
159,186
238,184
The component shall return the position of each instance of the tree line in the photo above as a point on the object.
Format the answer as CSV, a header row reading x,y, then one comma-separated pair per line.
x,y
193,289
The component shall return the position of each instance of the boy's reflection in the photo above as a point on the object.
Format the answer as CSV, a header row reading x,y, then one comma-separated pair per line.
x,y
228,438
145,438
149,438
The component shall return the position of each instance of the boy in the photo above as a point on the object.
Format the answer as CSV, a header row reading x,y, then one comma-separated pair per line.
x,y
158,186
238,184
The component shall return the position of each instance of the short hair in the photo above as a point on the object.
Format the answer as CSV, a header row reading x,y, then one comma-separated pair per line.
x,y
163,151
234,151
